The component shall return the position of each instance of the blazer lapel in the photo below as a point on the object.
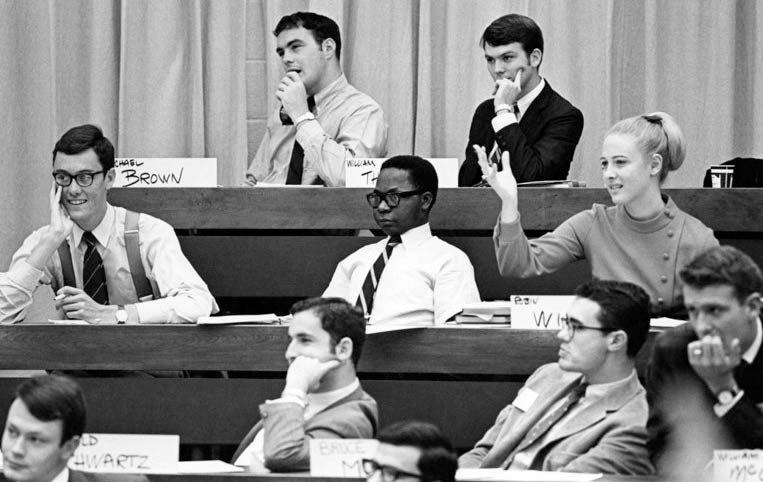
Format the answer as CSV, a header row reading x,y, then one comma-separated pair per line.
x,y
531,119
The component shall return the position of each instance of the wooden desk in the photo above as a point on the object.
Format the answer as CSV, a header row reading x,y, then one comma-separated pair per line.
x,y
458,378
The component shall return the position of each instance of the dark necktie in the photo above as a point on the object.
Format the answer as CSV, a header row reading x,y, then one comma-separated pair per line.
x,y
366,296
551,418
296,166
93,274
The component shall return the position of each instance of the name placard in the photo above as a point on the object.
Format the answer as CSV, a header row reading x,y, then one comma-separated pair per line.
x,y
340,457
738,465
539,312
362,171
108,452
166,172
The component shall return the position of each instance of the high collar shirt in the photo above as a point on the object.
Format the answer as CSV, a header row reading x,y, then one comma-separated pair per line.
x,y
184,295
348,124
426,280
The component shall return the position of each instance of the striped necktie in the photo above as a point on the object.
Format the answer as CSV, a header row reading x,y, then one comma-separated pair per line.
x,y
93,274
366,296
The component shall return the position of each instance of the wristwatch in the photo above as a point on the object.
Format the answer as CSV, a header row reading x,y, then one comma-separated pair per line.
x,y
121,315
727,396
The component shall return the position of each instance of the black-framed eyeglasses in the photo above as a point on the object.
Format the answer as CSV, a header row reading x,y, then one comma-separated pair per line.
x,y
572,325
388,474
392,198
84,179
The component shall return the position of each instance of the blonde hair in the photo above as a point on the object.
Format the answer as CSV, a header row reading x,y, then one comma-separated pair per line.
x,y
656,133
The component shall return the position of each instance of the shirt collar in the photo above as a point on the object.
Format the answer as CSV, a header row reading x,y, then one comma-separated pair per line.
x,y
524,102
62,476
752,352
601,390
102,232
324,399
329,91
416,236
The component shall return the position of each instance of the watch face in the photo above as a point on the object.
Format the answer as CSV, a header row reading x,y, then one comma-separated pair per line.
x,y
121,315
725,397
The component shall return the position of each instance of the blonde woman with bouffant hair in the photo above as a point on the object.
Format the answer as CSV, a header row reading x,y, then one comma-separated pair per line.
x,y
644,238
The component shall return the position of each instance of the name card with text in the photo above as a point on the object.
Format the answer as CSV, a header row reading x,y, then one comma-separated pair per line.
x,y
362,172
166,172
738,466
340,457
539,312
109,452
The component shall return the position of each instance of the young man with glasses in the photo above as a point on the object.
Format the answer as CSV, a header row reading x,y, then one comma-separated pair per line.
x,y
82,254
410,277
412,451
588,411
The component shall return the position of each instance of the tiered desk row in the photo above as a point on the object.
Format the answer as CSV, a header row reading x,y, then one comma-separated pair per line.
x,y
260,245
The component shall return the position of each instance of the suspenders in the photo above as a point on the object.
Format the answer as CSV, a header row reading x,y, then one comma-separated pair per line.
x,y
143,286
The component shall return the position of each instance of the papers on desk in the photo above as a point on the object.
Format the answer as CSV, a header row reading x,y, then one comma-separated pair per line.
x,y
374,329
552,183
267,319
522,475
485,312
207,467
664,322
67,322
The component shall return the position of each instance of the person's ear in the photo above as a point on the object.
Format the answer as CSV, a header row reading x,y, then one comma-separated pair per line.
x,y
536,56
69,447
655,164
328,46
343,349
109,177
426,201
618,340
753,304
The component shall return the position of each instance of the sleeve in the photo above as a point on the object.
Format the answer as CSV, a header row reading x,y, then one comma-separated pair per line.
x,y
470,173
454,287
620,451
18,284
259,165
745,422
340,284
473,458
551,155
185,296
521,258
361,134
287,441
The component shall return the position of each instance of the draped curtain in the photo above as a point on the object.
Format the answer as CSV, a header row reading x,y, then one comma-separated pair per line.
x,y
169,78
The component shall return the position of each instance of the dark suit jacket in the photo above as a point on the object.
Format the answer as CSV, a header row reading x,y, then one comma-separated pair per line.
x,y
675,392
541,146
608,436
287,440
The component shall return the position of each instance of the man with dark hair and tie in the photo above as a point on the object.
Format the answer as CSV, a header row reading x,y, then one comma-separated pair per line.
x,y
410,277
321,120
106,265
587,412
705,378
526,117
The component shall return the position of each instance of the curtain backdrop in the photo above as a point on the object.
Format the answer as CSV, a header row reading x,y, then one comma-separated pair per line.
x,y
168,78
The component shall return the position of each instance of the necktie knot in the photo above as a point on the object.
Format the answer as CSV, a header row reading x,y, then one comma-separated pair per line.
x,y
89,238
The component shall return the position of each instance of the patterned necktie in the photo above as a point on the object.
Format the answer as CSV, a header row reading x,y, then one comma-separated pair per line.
x,y
296,163
93,274
366,296
515,109
550,419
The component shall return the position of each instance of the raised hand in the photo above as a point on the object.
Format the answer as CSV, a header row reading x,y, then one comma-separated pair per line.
x,y
502,181
292,95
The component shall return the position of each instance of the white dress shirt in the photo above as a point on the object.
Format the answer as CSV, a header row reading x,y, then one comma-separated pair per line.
x,y
523,103
425,282
184,295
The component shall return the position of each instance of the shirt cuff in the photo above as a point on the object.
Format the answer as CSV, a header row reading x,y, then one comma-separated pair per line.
x,y
288,399
502,120
309,130
25,275
722,409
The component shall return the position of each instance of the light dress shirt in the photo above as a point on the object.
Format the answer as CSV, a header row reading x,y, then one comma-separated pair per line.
x,y
347,124
593,395
184,295
426,280
254,456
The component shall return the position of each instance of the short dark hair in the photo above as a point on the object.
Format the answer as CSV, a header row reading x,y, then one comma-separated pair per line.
x,y
339,318
55,397
320,26
438,460
513,28
84,137
724,265
622,306
421,172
